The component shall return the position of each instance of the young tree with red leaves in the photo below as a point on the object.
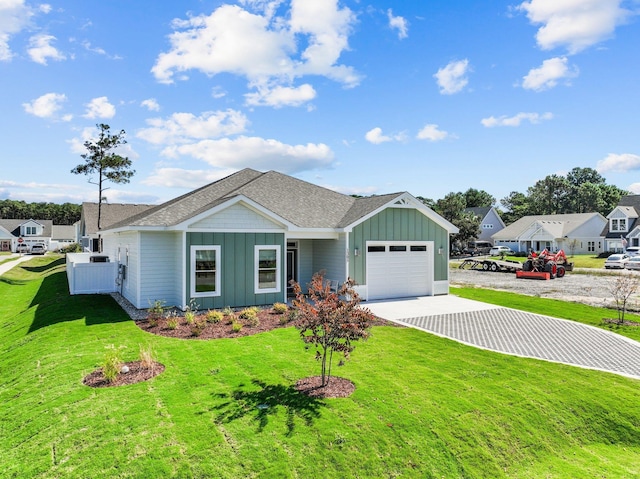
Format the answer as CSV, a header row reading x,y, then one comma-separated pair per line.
x,y
330,320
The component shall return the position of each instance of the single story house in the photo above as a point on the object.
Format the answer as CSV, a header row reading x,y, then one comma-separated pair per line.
x,y
62,236
240,240
88,235
30,231
577,233
623,228
490,221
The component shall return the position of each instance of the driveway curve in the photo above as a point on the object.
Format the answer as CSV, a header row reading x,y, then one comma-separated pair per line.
x,y
516,332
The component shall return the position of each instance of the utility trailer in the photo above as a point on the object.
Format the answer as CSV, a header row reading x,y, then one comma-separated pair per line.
x,y
494,265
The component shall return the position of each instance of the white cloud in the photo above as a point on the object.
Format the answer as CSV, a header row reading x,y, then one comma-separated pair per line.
x,y
100,108
398,23
255,152
549,74
14,17
40,49
281,96
453,77
261,46
181,178
186,127
47,106
376,137
432,133
516,120
353,190
634,188
619,163
150,104
575,24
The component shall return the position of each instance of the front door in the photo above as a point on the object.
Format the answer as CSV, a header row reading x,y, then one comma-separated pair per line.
x,y
292,269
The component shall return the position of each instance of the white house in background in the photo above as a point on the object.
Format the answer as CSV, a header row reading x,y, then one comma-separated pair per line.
x,y
490,221
31,231
578,233
623,228
62,236
6,239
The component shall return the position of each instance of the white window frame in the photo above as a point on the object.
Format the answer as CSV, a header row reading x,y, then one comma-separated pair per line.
x,y
619,225
218,270
256,269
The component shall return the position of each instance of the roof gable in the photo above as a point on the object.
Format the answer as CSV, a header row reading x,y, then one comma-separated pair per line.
x,y
557,225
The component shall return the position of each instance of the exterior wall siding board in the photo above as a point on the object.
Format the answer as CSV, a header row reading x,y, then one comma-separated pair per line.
x,y
237,288
329,255
393,224
160,261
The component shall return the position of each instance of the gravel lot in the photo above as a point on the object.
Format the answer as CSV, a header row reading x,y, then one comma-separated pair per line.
x,y
580,287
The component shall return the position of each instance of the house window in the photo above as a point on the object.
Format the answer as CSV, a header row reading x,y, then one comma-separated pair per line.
x,y
591,246
30,230
267,269
205,271
619,224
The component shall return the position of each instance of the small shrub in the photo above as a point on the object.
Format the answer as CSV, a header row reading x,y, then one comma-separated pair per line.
x,y
292,315
155,312
190,317
229,315
236,326
214,316
172,321
197,327
280,308
146,357
112,363
250,315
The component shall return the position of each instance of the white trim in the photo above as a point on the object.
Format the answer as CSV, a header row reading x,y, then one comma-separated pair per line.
x,y
183,287
256,268
218,271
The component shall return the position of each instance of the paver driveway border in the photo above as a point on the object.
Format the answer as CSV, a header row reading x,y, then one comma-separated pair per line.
x,y
515,332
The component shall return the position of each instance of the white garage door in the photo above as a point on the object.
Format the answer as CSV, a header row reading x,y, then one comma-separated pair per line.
x,y
398,269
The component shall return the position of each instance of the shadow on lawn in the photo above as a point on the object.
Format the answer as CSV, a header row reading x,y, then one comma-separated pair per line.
x,y
267,402
55,305
45,267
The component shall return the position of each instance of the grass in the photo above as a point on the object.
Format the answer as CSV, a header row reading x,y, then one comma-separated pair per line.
x,y
424,406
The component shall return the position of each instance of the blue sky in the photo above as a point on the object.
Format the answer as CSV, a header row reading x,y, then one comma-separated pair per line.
x,y
364,97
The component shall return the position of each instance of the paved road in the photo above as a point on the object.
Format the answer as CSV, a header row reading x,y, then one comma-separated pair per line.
x,y
516,332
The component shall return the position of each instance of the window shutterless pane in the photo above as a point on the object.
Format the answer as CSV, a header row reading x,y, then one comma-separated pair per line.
x,y
376,249
267,258
205,281
267,279
418,248
397,248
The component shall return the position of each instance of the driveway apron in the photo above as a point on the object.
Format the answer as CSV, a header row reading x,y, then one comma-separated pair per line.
x,y
518,333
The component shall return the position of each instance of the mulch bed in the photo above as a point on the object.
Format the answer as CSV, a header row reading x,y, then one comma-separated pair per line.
x,y
137,373
617,323
337,387
267,320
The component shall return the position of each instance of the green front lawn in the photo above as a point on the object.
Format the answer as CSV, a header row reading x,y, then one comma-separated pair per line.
x,y
424,406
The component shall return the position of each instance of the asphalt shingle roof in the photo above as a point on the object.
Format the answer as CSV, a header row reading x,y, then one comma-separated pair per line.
x,y
303,204
111,213
558,225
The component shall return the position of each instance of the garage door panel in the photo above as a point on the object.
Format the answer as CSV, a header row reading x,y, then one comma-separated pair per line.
x,y
396,274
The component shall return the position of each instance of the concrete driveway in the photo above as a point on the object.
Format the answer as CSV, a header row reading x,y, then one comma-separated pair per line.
x,y
515,332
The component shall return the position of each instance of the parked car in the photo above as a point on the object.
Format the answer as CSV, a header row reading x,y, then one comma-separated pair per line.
x,y
633,263
22,248
500,250
38,249
633,251
616,261
478,247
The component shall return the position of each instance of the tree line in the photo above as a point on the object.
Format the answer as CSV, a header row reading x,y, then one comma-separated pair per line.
x,y
59,214
582,190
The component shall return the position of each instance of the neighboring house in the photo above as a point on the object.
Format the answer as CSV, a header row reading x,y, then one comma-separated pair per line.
x,y
62,236
490,221
574,233
31,231
240,240
6,239
110,213
623,228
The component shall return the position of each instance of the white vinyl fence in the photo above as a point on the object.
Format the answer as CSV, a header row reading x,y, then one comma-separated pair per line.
x,y
87,277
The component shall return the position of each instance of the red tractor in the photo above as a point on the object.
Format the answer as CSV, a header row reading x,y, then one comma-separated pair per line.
x,y
546,263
